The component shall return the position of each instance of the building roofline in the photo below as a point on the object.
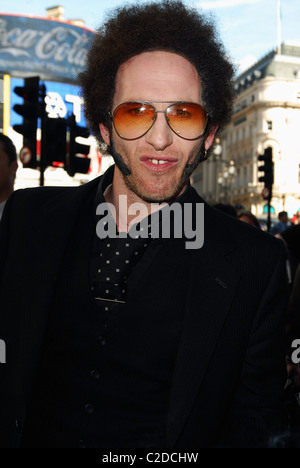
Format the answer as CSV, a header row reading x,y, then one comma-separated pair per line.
x,y
64,21
265,59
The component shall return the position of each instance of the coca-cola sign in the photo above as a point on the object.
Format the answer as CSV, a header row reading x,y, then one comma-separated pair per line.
x,y
50,49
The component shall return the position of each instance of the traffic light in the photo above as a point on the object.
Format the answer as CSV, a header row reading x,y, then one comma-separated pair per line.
x,y
76,163
267,169
31,109
54,143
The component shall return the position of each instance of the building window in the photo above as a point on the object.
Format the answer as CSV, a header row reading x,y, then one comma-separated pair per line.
x,y
252,98
270,124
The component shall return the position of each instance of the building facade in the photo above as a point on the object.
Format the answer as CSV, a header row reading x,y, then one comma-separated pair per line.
x,y
266,114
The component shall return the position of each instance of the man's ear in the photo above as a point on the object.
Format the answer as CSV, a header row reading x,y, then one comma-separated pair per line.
x,y
210,138
105,133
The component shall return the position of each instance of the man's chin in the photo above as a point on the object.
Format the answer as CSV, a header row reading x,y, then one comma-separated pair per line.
x,y
149,196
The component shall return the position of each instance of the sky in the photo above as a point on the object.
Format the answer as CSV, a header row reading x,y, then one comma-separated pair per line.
x,y
247,28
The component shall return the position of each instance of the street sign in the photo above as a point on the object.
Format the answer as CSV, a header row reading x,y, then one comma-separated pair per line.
x,y
265,193
25,155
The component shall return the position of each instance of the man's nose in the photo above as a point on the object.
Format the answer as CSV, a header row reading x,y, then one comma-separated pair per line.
x,y
160,136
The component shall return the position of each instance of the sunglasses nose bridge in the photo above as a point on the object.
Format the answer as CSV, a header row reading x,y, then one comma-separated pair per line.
x,y
155,117
159,135
162,112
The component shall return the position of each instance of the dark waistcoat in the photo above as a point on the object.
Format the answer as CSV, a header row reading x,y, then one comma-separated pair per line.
x,y
106,370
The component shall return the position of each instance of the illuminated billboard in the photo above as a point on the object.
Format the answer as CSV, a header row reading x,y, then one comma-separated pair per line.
x,y
62,99
53,50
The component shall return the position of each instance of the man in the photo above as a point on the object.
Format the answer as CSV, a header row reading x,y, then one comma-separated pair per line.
x,y
282,224
8,169
142,340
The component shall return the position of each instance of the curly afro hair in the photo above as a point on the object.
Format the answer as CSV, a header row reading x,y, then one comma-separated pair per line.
x,y
169,26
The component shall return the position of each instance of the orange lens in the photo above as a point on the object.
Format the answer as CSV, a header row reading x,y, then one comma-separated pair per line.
x,y
187,119
133,119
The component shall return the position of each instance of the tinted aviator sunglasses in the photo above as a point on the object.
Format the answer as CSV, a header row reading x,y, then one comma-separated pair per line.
x,y
132,120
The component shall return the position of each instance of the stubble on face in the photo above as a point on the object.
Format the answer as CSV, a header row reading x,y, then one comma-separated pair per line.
x,y
133,184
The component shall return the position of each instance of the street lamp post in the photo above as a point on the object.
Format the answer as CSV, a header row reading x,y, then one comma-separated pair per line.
x,y
227,174
217,152
226,179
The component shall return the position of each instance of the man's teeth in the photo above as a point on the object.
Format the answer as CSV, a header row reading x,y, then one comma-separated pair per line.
x,y
156,161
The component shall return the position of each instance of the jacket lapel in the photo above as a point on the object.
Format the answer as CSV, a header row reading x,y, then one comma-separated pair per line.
x,y
212,286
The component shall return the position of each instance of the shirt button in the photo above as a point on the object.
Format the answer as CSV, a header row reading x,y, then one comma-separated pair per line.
x,y
95,374
101,340
90,409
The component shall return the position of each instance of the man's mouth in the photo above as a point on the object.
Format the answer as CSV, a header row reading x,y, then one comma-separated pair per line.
x,y
158,164
158,161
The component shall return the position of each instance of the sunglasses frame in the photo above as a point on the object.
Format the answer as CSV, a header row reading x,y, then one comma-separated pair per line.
x,y
150,103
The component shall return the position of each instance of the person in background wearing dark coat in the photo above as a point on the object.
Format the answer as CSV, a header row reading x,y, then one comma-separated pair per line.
x,y
8,169
250,218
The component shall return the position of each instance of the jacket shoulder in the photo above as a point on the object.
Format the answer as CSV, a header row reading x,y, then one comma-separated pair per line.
x,y
227,231
36,197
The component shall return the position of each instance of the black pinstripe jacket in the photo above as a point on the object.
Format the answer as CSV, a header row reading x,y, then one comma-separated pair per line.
x,y
230,369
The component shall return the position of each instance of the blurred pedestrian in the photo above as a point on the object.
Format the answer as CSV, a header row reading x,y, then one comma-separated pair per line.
x,y
239,208
8,169
249,218
296,218
282,224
